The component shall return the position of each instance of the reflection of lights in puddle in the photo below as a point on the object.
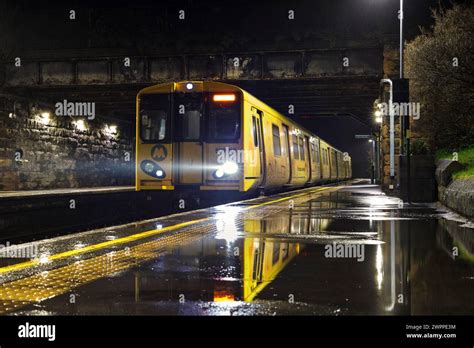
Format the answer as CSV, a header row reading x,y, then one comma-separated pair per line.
x,y
379,266
110,237
223,296
79,245
158,226
44,258
225,223
380,201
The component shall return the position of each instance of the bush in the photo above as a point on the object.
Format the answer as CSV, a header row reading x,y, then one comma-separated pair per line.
x,y
419,147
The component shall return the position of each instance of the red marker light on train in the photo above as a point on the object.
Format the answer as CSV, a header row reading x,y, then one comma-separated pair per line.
x,y
223,97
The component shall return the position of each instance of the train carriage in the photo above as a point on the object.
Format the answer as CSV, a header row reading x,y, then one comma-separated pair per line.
x,y
200,135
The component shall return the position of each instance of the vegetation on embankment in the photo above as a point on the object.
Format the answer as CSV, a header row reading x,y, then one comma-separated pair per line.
x,y
465,157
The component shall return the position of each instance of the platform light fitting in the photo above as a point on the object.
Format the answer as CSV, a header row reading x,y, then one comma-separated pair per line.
x,y
110,129
378,113
189,86
45,118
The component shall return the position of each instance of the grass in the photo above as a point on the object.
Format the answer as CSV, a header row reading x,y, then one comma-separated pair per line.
x,y
465,157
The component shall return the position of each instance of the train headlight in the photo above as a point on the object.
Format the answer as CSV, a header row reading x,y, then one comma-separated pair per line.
x,y
230,167
219,173
148,167
153,169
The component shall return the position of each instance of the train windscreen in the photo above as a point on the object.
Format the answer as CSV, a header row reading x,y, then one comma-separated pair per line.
x,y
154,117
224,118
196,117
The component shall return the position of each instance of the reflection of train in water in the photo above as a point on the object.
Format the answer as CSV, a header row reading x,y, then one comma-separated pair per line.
x,y
216,136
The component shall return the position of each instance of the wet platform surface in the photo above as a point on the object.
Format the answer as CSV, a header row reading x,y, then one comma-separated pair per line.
x,y
338,250
64,192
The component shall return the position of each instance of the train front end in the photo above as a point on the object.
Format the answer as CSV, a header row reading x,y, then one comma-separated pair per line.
x,y
189,137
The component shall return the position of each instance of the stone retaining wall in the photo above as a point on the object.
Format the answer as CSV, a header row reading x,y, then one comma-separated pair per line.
x,y
59,154
456,194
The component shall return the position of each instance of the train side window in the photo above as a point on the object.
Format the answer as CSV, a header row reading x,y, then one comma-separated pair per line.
x,y
301,143
295,147
276,140
316,154
255,131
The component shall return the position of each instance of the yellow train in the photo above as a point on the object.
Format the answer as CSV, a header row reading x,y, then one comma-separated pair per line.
x,y
204,135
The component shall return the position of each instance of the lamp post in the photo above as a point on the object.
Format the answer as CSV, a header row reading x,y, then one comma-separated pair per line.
x,y
405,123
400,16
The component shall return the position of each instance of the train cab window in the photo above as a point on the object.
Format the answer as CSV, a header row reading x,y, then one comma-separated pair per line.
x,y
295,147
154,117
224,120
255,131
276,140
301,144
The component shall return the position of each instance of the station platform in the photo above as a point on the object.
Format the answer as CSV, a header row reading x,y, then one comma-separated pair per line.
x,y
26,215
275,255
9,195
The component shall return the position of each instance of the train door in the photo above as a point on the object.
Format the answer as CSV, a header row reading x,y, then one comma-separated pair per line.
x,y
188,139
287,152
261,144
309,159
257,170
319,158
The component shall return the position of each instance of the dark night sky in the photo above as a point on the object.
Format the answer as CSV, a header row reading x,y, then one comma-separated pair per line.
x,y
224,25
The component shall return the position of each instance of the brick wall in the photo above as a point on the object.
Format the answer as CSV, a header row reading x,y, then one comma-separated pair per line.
x,y
58,154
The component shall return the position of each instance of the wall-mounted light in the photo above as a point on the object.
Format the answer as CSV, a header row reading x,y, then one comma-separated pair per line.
x,y
110,130
13,114
378,116
80,125
45,118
